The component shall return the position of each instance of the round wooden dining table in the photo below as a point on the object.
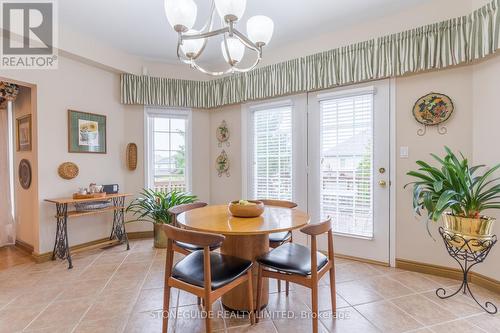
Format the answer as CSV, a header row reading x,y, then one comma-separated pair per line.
x,y
246,238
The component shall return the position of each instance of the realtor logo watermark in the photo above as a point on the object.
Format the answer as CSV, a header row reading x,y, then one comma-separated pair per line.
x,y
29,35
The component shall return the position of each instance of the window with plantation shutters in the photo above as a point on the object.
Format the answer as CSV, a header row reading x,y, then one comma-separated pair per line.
x,y
272,153
346,163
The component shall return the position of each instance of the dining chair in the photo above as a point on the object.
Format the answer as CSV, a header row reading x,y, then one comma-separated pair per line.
x,y
204,273
299,264
181,247
278,238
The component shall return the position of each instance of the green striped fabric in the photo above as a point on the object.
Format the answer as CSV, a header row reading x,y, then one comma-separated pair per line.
x,y
448,43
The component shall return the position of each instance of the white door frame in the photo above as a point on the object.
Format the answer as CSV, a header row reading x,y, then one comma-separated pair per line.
x,y
392,172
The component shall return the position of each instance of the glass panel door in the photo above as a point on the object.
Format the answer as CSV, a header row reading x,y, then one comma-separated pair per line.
x,y
346,160
348,167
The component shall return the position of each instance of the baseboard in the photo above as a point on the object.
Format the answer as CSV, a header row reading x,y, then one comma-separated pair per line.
x,y
25,247
140,234
367,261
99,243
451,273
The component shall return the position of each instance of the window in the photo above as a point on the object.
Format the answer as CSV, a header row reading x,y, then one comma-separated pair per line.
x,y
271,157
168,149
346,167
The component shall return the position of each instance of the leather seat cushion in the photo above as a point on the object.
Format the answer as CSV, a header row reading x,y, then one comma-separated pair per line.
x,y
192,247
292,258
279,237
224,269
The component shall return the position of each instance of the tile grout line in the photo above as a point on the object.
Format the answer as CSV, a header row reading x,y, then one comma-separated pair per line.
x,y
140,287
55,298
307,307
100,292
456,319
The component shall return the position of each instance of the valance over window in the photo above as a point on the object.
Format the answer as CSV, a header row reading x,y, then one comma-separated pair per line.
x,y
448,43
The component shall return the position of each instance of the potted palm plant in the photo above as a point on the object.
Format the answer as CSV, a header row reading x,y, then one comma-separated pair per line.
x,y
458,193
152,206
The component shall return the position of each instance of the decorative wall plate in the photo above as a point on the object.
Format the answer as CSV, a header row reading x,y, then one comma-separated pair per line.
x,y
223,133
222,164
131,156
68,170
25,174
432,110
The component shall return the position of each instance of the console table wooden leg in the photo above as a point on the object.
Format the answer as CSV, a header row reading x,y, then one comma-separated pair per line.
x,y
61,245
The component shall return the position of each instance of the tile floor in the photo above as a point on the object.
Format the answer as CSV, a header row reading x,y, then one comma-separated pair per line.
x,y
114,290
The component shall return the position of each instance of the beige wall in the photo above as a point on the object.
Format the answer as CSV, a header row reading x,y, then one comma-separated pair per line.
x,y
81,87
412,241
224,189
26,200
84,87
486,136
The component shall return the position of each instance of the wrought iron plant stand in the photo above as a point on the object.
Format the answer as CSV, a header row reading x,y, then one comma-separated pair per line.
x,y
468,252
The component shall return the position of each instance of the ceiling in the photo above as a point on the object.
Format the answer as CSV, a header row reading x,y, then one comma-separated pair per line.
x,y
140,27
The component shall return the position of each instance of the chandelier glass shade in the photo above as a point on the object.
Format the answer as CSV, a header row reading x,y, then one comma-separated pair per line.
x,y
181,14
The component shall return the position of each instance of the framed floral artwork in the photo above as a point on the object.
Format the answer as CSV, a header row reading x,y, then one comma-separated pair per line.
x,y
86,132
23,126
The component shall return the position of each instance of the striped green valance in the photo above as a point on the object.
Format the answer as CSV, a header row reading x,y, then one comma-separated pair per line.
x,y
439,45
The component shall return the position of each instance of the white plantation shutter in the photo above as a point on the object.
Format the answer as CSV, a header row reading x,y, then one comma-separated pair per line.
x,y
272,153
346,163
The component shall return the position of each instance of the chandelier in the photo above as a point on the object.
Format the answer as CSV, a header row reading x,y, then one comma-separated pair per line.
x,y
181,15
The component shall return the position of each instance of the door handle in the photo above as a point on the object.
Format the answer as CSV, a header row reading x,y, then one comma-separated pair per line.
x,y
382,183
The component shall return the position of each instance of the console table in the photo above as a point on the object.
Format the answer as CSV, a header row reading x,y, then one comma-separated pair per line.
x,y
118,233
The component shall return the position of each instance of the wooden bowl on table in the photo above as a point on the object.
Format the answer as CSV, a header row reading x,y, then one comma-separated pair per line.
x,y
249,208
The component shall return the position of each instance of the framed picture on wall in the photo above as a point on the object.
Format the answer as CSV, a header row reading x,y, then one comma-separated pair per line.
x,y
23,138
86,132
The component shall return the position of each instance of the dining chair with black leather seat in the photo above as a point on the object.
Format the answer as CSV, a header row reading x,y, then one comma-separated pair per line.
x,y
298,264
204,273
181,247
278,238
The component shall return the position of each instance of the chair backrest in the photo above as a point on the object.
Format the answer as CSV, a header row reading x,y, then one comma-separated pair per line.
x,y
203,239
315,230
279,203
318,228
176,210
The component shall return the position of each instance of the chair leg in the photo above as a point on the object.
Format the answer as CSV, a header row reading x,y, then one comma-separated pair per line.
x,y
259,293
314,303
333,289
207,308
279,285
199,300
287,286
251,312
166,309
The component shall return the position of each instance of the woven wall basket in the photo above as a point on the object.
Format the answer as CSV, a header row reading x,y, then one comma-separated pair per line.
x,y
131,156
68,170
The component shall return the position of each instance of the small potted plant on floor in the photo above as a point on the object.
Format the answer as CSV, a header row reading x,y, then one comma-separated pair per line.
x,y
152,206
458,193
